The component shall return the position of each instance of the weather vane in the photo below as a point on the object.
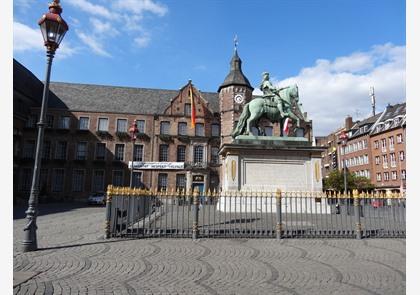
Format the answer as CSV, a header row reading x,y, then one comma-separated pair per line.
x,y
235,42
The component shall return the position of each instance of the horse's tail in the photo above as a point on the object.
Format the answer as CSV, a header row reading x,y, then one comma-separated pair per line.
x,y
242,120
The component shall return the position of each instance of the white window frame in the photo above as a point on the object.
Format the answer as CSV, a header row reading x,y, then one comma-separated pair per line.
x,y
196,129
203,153
161,124
142,152
115,152
401,153
107,125
76,155
383,145
159,178
126,125
88,122
177,152
61,122
392,159
185,181
185,130
385,161
161,158
144,125
394,175
391,143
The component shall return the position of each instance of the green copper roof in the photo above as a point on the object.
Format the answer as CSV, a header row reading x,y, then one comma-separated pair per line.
x,y
235,76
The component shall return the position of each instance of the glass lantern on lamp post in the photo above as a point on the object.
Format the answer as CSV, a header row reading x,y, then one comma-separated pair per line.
x,y
53,29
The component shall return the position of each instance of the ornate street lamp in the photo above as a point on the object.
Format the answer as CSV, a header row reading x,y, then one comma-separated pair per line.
x,y
344,137
133,131
53,29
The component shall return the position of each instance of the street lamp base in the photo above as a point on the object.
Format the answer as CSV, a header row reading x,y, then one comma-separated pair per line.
x,y
28,246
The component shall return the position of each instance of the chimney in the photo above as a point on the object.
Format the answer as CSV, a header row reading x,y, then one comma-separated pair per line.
x,y
348,122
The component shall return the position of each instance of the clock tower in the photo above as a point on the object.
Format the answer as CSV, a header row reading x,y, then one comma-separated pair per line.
x,y
234,93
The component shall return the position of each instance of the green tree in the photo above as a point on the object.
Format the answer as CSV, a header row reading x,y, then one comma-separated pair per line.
x,y
362,183
335,181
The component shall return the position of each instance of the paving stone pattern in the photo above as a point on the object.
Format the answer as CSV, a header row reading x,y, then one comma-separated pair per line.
x,y
74,259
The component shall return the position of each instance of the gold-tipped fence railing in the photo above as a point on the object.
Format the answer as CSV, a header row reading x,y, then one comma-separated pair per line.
x,y
179,213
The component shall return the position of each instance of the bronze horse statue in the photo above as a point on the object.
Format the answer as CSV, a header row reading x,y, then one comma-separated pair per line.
x,y
268,107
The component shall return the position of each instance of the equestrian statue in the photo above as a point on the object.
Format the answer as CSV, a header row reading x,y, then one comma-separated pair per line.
x,y
276,104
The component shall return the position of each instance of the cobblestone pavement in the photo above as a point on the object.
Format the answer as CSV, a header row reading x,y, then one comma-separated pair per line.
x,y
74,259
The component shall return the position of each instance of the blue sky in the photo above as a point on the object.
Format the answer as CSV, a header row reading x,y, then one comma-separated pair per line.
x,y
334,50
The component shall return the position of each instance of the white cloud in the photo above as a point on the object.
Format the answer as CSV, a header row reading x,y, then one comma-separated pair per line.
x,y
26,38
330,90
141,6
97,10
109,18
103,27
93,44
142,41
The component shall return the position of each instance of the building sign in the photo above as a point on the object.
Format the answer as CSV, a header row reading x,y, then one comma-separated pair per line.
x,y
156,165
198,177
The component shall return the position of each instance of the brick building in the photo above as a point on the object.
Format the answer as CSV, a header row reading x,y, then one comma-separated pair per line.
x,y
87,145
375,149
357,153
329,157
387,139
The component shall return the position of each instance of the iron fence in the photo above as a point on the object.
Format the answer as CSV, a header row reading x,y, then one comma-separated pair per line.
x,y
141,213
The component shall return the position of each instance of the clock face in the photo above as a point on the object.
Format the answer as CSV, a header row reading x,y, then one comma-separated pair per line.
x,y
239,98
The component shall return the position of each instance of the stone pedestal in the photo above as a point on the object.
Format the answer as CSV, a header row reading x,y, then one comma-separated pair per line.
x,y
263,163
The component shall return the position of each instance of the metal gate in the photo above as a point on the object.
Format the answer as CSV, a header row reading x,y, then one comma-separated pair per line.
x,y
140,213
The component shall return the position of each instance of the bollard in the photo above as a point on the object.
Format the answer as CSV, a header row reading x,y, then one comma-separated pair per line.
x,y
278,215
108,212
195,214
357,214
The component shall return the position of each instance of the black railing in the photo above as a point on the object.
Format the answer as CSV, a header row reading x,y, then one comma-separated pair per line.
x,y
140,213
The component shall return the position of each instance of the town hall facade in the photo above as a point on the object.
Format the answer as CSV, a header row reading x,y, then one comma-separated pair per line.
x,y
87,144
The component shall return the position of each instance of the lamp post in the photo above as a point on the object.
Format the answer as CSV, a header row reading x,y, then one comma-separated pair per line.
x,y
344,137
133,130
53,29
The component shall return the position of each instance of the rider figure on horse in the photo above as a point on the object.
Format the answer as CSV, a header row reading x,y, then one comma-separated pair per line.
x,y
272,93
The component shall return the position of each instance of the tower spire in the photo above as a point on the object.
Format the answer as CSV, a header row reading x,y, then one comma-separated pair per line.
x,y
235,43
235,76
